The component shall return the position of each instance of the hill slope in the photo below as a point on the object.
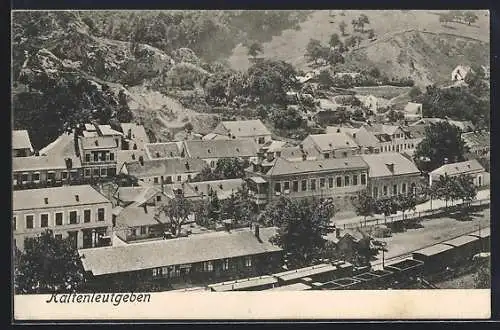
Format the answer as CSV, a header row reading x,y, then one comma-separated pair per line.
x,y
391,26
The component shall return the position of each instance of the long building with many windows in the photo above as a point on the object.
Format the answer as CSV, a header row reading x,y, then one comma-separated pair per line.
x,y
79,212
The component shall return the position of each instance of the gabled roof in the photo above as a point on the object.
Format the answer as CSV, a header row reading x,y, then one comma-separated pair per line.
x,y
35,163
332,141
221,148
56,197
106,130
128,156
283,166
366,139
458,168
134,216
382,129
21,140
137,195
296,153
170,190
159,167
162,150
62,147
98,142
215,136
415,131
378,164
177,251
341,129
243,128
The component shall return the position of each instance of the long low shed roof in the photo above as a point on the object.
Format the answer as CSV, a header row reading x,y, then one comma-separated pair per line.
x,y
291,287
462,240
483,233
177,251
244,283
433,250
305,272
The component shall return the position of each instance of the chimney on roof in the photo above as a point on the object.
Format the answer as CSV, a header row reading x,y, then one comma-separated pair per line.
x,y
337,232
129,133
257,231
390,166
304,156
77,198
187,165
141,160
46,200
269,157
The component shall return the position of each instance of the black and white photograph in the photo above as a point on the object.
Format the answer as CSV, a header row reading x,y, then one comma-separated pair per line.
x,y
209,151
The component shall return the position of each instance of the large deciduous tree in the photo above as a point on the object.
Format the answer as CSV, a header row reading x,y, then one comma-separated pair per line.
x,y
48,265
302,225
177,210
364,204
442,141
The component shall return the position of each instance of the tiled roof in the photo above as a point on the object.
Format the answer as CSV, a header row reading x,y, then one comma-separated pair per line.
x,y
332,141
162,150
35,163
295,153
366,138
221,148
56,197
458,168
434,250
177,251
378,165
477,139
188,191
21,140
382,128
128,156
159,167
138,195
215,136
341,129
243,128
138,132
134,216
283,166
99,142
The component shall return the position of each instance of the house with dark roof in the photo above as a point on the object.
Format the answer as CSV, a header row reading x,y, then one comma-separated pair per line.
x,y
391,174
196,259
212,150
138,196
134,223
21,144
237,129
56,165
332,145
470,167
323,178
164,171
79,212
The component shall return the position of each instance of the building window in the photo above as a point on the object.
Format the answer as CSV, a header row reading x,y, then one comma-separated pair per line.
x,y
100,214
286,185
143,230
403,188
344,153
14,224
313,184
51,176
87,158
155,180
87,172
58,236
479,180
277,187
303,185
363,179
158,198
36,177
212,164
413,188
225,264
354,180
295,186
44,220
157,272
208,266
96,172
96,157
327,155
179,178
330,182
322,183
86,216
339,181
375,192
104,171
59,218
395,189
346,180
262,140
73,217
112,156
29,221
385,190
248,261
64,175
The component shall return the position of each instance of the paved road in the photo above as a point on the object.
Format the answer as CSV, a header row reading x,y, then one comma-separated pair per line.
x,y
426,206
433,231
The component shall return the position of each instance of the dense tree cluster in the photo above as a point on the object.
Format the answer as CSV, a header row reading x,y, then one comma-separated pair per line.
x,y
226,168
